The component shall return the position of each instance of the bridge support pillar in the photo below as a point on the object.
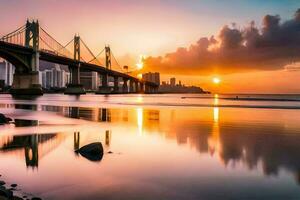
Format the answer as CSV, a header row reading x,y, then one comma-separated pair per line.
x,y
26,84
147,89
116,84
142,88
125,85
75,88
104,89
136,86
131,86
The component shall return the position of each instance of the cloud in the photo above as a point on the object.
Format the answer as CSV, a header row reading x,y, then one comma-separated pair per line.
x,y
270,47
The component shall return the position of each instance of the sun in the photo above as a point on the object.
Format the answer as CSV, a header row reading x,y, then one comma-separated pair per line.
x,y
140,63
216,80
140,76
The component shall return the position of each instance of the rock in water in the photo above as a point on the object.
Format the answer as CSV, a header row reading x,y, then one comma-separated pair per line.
x,y
92,152
36,198
3,119
6,193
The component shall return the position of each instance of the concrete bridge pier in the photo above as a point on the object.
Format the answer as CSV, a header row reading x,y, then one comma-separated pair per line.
x,y
116,84
141,88
26,84
104,89
131,86
74,87
147,89
125,85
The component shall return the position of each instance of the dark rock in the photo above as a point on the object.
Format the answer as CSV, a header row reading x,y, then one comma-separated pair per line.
x,y
93,151
110,152
3,119
6,193
36,198
13,185
2,183
17,198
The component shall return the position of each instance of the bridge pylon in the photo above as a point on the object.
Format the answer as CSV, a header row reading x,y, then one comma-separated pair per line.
x,y
74,87
107,57
28,83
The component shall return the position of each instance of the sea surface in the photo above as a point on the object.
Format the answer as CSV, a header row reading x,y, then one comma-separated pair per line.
x,y
167,146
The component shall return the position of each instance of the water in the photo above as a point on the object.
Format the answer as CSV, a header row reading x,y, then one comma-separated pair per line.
x,y
155,146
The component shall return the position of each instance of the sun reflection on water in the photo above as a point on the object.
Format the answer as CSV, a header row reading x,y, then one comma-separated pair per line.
x,y
139,112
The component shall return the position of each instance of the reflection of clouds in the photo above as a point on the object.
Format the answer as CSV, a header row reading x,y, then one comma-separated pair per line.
x,y
269,147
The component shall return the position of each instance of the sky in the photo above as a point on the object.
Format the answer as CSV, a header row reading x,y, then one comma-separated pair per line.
x,y
171,34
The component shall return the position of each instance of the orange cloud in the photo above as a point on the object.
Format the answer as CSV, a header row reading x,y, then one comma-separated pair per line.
x,y
272,47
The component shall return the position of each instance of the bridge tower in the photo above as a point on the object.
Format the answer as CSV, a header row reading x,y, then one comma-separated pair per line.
x,y
77,48
104,89
28,82
75,88
32,41
107,57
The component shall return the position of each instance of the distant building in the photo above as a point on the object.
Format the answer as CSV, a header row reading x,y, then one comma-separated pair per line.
x,y
165,87
7,71
54,78
152,77
89,80
172,81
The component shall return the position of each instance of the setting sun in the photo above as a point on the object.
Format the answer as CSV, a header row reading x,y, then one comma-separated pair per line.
x,y
140,63
139,76
216,80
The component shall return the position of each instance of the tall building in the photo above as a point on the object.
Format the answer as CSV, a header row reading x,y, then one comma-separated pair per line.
x,y
152,77
55,77
172,81
7,71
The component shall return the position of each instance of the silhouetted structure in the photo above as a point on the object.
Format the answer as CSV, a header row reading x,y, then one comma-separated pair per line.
x,y
29,44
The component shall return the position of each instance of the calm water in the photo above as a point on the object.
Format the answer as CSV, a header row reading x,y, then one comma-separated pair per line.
x,y
163,146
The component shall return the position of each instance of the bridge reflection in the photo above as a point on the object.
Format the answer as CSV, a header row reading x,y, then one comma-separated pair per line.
x,y
269,146
35,146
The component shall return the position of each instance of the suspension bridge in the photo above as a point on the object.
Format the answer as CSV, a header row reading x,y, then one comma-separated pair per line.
x,y
29,44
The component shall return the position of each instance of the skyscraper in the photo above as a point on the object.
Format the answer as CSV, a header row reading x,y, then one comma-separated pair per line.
x,y
55,77
172,81
152,77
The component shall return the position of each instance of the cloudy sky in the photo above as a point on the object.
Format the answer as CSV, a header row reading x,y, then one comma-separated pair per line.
x,y
251,45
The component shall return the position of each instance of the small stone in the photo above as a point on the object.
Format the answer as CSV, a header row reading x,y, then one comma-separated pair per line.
x,y
36,198
14,185
110,152
2,183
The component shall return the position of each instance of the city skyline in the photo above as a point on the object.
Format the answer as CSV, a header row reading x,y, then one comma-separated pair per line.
x,y
186,22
